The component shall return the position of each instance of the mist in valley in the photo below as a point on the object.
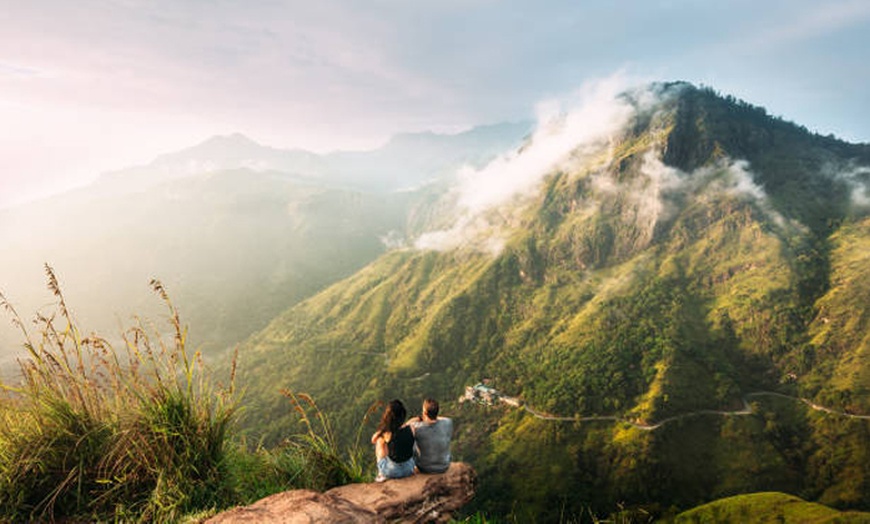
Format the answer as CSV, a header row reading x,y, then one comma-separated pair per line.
x,y
236,231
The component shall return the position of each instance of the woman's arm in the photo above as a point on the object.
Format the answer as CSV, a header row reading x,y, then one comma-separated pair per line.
x,y
381,449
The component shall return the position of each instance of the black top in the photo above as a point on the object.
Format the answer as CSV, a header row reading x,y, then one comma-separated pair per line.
x,y
401,445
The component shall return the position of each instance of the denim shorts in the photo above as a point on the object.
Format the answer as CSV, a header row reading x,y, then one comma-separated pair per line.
x,y
395,470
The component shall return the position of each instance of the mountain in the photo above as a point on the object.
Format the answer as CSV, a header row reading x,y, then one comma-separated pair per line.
x,y
406,161
234,248
237,231
412,159
667,303
218,153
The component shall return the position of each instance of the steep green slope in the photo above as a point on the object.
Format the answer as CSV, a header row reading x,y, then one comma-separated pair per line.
x,y
840,337
661,280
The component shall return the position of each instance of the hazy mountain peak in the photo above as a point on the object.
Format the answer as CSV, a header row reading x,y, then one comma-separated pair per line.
x,y
234,148
233,140
406,161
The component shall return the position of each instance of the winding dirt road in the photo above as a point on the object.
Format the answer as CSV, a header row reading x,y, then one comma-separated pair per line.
x,y
746,410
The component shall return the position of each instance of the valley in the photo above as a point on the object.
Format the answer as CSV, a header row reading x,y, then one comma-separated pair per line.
x,y
668,290
624,245
236,230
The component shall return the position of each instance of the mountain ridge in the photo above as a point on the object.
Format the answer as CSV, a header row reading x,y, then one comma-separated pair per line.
x,y
659,274
237,239
337,168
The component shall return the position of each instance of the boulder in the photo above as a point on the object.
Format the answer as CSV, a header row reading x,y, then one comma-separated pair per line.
x,y
419,498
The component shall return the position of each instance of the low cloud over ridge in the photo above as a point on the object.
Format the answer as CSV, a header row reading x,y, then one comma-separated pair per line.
x,y
566,129
580,131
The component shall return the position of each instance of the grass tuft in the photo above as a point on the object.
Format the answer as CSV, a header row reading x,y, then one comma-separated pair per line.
x,y
323,463
91,431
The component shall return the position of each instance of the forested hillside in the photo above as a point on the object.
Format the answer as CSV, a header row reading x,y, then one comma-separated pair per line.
x,y
703,252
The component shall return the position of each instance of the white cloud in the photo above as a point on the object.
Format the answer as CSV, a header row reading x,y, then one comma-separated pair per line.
x,y
564,128
661,179
470,232
734,177
444,239
861,196
393,240
740,181
859,180
567,131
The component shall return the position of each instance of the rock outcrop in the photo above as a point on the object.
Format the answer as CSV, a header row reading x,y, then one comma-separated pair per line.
x,y
419,498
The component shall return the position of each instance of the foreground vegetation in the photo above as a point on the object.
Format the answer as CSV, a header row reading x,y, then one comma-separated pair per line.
x,y
141,433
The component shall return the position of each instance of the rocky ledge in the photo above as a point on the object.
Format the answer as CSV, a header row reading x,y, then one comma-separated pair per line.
x,y
419,498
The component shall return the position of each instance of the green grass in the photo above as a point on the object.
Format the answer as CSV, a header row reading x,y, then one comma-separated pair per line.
x,y
767,508
92,432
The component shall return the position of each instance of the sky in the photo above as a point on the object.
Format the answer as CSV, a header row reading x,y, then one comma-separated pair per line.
x,y
95,85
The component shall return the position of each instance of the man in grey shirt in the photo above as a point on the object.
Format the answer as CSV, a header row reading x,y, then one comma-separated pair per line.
x,y
432,436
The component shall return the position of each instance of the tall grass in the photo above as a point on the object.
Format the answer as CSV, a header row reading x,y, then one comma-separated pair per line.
x,y
322,460
310,459
137,431
91,430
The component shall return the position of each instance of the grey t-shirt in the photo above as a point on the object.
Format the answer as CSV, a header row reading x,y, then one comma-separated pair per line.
x,y
432,445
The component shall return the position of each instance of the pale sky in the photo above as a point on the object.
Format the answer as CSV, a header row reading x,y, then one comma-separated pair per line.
x,y
93,85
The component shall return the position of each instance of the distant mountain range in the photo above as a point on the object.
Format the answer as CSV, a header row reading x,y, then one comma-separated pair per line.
x,y
237,231
405,162
695,253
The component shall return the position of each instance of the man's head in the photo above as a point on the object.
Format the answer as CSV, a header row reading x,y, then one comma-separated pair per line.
x,y
430,409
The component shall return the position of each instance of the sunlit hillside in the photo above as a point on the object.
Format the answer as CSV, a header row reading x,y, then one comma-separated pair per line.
x,y
657,299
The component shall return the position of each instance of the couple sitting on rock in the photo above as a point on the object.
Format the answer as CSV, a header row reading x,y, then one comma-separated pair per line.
x,y
422,441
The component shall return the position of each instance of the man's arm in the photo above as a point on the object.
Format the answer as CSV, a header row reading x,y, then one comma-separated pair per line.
x,y
413,423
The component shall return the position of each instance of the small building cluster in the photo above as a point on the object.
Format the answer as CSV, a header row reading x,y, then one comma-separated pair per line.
x,y
485,395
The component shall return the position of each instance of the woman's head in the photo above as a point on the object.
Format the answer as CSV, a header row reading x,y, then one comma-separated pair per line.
x,y
394,416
